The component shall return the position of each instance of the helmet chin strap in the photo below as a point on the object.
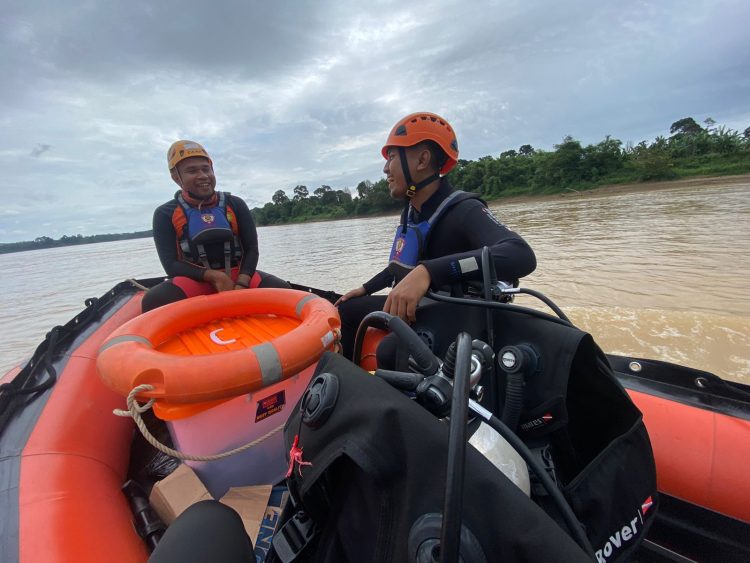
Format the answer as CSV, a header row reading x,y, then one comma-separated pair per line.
x,y
411,187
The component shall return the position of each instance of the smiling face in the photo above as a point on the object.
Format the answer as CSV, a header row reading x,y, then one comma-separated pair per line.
x,y
196,176
394,173
418,161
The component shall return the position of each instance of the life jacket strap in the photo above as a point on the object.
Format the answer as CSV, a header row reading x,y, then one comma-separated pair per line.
x,y
228,258
202,256
294,536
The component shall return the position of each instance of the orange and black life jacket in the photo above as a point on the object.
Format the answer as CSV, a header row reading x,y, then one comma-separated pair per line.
x,y
198,227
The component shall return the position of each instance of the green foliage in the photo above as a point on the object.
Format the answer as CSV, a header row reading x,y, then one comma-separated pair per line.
x,y
324,203
279,198
685,126
68,240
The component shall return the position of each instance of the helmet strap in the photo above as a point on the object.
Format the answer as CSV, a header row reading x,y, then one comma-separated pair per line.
x,y
412,187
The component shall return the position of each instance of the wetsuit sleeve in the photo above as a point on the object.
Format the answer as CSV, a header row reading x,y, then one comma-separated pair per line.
x,y
512,256
379,281
165,240
248,236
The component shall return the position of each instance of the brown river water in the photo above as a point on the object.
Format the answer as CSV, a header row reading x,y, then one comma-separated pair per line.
x,y
660,271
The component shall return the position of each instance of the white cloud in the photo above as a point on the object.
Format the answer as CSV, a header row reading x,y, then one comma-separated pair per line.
x,y
304,93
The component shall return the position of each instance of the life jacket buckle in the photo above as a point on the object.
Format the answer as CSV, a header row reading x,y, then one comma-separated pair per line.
x,y
294,536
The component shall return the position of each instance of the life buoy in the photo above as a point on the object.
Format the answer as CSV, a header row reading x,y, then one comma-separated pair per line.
x,y
218,346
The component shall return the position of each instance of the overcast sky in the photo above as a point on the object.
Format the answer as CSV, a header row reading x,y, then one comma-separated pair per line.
x,y
286,93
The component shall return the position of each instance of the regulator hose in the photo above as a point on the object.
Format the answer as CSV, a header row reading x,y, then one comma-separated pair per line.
x,y
426,362
457,439
566,512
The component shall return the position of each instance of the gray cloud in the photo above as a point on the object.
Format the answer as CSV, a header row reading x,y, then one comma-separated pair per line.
x,y
39,150
304,93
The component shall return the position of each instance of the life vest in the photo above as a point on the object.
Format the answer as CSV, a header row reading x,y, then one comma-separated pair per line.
x,y
410,243
197,228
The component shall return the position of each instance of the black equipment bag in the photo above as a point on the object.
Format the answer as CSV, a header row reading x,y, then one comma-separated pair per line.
x,y
602,455
375,488
573,407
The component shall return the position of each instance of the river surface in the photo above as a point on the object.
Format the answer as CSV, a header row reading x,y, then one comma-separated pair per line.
x,y
660,273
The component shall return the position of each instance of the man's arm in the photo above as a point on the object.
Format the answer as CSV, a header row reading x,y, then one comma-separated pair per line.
x,y
376,283
248,237
512,256
475,228
379,281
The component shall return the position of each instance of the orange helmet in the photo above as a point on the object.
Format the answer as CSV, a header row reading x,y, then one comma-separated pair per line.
x,y
180,150
424,126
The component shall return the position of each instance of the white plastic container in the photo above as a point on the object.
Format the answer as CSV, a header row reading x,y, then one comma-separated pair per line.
x,y
236,422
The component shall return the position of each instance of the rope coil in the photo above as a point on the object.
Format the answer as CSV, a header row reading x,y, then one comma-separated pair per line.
x,y
135,409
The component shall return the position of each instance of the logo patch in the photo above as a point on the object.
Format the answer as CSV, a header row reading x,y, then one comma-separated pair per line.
x,y
626,533
540,421
270,406
208,218
647,504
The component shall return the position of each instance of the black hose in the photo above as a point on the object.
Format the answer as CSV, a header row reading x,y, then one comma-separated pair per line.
x,y
495,305
570,519
426,362
547,301
489,278
454,483
403,380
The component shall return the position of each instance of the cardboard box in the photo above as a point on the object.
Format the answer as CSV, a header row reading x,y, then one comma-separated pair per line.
x,y
250,503
258,508
178,490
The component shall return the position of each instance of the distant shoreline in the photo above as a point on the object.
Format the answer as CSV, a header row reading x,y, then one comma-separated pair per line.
x,y
601,191
635,187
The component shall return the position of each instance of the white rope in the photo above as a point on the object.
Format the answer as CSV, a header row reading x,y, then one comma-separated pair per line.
x,y
134,411
136,284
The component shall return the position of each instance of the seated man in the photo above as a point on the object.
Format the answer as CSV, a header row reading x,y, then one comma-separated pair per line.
x,y
206,239
442,232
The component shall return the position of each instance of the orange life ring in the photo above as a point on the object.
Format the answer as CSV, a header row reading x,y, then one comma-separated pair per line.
x,y
218,346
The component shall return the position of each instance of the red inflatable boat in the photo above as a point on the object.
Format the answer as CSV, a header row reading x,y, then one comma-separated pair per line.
x,y
64,457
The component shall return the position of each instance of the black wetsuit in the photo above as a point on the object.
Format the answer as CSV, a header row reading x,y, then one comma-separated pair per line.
x,y
165,239
459,235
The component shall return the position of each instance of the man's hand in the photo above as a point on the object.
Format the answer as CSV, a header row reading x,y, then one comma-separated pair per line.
x,y
242,282
359,292
403,299
219,280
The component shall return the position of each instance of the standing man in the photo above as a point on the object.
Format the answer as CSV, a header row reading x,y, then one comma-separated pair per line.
x,y
206,240
442,232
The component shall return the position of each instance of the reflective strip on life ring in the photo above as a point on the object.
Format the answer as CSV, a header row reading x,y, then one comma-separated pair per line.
x,y
231,367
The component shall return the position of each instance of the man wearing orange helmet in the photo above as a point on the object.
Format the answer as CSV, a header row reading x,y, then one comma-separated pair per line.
x,y
206,239
442,231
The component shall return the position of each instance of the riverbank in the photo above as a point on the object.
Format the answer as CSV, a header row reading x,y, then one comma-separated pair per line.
x,y
636,187
600,191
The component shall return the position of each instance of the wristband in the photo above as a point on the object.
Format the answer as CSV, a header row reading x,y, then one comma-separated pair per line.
x,y
245,285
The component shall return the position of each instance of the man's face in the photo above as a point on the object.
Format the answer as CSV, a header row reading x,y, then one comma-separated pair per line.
x,y
196,175
394,173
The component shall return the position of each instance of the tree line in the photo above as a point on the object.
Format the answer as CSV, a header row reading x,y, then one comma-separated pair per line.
x,y
690,150
66,240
